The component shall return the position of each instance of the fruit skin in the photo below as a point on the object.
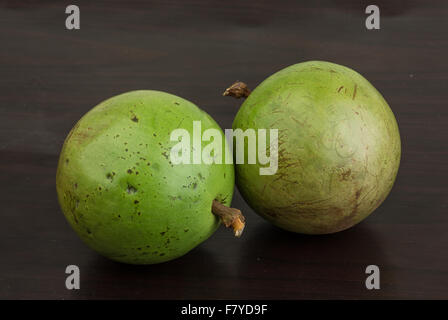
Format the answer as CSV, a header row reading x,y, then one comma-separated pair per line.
x,y
120,192
338,148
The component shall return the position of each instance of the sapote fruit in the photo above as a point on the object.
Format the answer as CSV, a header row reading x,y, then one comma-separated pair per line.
x,y
122,194
338,147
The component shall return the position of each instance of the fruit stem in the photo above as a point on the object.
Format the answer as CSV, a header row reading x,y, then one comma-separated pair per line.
x,y
231,217
237,90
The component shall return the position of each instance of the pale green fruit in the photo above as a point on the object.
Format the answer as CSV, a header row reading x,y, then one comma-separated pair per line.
x,y
119,190
339,148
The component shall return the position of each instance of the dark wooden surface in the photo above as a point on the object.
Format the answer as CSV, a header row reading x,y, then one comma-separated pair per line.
x,y
49,77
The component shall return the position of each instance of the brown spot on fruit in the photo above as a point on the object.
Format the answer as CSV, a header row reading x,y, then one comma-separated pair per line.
x,y
131,189
346,174
110,177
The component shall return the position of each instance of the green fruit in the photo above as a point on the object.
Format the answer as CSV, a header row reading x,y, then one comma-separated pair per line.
x,y
338,148
121,193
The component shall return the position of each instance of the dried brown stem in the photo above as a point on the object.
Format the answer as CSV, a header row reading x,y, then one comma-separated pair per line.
x,y
231,217
237,90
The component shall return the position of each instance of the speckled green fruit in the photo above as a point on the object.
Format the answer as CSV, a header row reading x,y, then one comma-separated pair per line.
x,y
119,190
338,150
